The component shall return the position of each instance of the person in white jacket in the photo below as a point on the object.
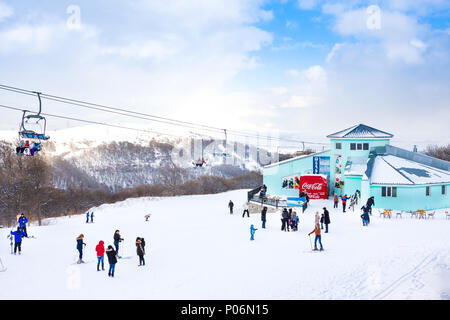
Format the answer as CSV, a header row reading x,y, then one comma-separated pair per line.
x,y
245,209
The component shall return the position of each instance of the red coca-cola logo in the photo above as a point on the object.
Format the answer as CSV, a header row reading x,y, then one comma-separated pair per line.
x,y
313,186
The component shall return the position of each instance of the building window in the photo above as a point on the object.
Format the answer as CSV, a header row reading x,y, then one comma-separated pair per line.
x,y
444,191
428,192
365,146
338,145
389,192
359,146
352,146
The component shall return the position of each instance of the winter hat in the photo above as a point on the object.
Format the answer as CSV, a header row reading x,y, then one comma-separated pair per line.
x,y
101,242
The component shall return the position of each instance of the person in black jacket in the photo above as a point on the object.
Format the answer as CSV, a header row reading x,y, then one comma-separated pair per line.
x,y
263,217
326,219
112,260
80,244
370,203
140,251
117,239
231,205
285,220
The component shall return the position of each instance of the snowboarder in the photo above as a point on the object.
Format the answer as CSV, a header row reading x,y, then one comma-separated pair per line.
x,y
245,208
117,239
326,219
231,205
365,216
87,217
318,237
92,216
344,202
140,251
100,249
336,200
23,224
112,260
80,244
263,217
252,232
370,203
18,235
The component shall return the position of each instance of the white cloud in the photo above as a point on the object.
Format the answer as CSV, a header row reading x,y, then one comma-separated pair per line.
x,y
6,11
307,4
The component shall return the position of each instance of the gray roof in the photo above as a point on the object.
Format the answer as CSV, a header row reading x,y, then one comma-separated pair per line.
x,y
360,131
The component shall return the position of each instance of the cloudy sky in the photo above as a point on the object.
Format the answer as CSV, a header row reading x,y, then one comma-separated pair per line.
x,y
299,68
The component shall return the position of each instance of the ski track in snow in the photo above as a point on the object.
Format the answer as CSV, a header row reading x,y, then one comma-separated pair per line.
x,y
197,250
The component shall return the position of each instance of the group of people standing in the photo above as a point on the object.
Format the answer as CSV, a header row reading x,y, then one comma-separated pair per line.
x,y
111,252
289,220
91,215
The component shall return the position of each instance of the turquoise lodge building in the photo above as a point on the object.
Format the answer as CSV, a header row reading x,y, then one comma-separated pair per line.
x,y
361,158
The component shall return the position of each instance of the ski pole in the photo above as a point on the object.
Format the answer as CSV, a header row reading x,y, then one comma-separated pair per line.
x,y
309,236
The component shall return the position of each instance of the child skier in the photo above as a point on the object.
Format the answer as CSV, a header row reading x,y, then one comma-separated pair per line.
x,y
316,231
100,249
112,260
140,251
18,235
252,232
80,244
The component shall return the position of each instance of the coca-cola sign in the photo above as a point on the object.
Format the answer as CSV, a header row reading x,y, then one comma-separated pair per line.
x,y
315,185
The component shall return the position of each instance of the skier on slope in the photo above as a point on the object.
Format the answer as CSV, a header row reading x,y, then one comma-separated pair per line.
x,y
326,219
344,202
365,216
117,239
80,244
252,232
140,251
112,260
263,217
318,237
370,203
231,205
92,216
245,210
23,224
100,249
18,235
87,217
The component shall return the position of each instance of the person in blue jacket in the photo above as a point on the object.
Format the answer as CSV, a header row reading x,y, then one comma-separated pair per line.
x,y
92,216
18,235
87,217
23,224
365,216
252,232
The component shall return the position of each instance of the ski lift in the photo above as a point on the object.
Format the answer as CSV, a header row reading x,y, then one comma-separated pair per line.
x,y
32,127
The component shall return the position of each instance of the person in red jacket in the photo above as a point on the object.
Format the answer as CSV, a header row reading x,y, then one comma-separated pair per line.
x,y
100,248
344,202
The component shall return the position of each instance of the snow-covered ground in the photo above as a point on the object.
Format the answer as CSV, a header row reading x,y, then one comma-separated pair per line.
x,y
197,250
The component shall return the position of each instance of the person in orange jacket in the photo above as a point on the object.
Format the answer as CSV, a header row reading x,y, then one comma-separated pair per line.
x,y
316,231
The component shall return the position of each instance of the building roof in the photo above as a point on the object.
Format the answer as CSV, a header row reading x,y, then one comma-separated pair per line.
x,y
390,169
295,158
355,166
360,131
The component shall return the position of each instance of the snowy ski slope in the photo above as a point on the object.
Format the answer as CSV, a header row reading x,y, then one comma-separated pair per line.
x,y
197,250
